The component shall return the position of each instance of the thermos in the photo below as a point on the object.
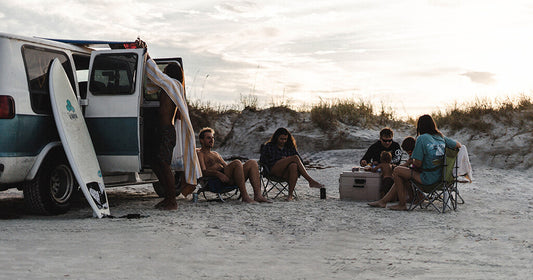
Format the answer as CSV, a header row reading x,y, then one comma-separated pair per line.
x,y
322,193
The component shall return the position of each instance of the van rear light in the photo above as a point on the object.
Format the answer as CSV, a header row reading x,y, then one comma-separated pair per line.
x,y
7,107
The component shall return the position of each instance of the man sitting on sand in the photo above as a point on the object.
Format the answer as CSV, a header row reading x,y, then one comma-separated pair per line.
x,y
234,173
385,143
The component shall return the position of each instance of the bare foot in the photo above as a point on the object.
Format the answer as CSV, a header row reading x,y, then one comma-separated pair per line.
x,y
248,200
398,208
167,204
315,184
262,199
378,204
289,198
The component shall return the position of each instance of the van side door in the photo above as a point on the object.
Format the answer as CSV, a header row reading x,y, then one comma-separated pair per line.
x,y
113,105
150,116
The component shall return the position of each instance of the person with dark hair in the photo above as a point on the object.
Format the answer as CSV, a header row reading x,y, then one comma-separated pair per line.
x,y
281,156
234,173
172,109
385,143
408,145
430,146
166,140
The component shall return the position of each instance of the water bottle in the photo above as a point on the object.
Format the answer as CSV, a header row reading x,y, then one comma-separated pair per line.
x,y
194,197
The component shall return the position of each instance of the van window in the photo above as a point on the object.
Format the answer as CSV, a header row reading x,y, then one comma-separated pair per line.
x,y
37,62
81,62
113,74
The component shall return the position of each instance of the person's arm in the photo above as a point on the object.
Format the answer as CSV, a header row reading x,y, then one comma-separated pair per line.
x,y
367,157
407,163
211,172
377,167
295,152
450,143
267,155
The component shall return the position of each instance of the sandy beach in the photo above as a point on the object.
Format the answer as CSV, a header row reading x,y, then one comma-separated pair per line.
x,y
489,237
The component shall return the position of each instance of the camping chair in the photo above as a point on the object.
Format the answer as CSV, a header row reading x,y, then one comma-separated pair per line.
x,y
217,187
272,182
444,191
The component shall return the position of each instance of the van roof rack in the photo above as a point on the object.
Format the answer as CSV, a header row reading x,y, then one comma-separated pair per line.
x,y
97,43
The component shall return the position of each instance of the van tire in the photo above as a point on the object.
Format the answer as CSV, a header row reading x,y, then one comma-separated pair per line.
x,y
160,191
54,188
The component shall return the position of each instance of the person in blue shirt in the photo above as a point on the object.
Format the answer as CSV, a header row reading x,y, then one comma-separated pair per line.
x,y
429,150
283,160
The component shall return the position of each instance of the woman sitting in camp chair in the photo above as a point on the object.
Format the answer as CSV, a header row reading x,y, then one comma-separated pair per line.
x,y
430,146
281,156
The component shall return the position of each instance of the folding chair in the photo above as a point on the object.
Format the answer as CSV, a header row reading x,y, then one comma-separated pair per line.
x,y
272,182
213,185
444,191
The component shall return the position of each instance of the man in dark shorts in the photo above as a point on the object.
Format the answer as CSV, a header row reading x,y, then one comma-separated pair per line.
x,y
166,137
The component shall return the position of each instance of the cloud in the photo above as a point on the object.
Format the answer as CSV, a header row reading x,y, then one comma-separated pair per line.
x,y
485,78
238,7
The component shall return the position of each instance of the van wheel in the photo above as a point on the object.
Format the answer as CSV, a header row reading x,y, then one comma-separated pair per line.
x,y
160,191
53,189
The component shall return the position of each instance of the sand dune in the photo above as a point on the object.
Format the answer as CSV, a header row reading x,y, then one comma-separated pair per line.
x,y
489,237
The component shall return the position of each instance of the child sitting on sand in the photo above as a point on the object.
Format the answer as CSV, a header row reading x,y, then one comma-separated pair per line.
x,y
386,172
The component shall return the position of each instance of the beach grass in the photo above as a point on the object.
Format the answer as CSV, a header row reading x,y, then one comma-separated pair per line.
x,y
481,114
478,115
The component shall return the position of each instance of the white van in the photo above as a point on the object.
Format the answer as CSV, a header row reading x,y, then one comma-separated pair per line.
x,y
109,84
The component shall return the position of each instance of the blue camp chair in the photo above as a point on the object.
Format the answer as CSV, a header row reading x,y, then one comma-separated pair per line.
x,y
213,185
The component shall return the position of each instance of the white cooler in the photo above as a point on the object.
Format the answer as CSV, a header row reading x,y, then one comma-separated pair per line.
x,y
359,185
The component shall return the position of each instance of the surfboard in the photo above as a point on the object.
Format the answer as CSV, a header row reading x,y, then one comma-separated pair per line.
x,y
76,140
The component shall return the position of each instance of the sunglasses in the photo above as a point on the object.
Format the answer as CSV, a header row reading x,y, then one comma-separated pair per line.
x,y
386,141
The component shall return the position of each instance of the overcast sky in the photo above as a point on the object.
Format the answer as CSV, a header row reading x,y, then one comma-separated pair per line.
x,y
413,55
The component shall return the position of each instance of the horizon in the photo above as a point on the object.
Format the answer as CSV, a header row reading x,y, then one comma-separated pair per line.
x,y
416,56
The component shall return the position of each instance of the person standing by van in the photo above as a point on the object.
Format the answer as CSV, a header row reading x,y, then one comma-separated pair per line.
x,y
166,140
172,108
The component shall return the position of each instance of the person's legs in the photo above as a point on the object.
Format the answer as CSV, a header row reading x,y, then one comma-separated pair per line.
x,y
251,172
400,174
292,176
161,167
401,178
281,165
235,173
393,193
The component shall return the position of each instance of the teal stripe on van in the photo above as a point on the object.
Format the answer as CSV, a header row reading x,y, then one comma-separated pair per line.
x,y
114,136
26,135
